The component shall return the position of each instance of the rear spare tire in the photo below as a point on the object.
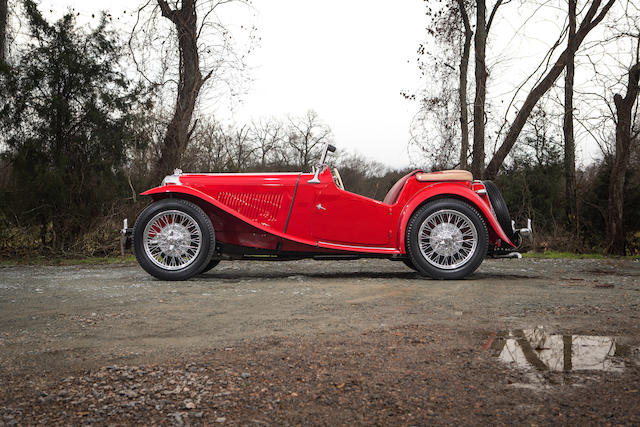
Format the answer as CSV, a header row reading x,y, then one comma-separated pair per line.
x,y
500,208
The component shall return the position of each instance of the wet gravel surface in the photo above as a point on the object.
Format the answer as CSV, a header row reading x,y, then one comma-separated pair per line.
x,y
307,342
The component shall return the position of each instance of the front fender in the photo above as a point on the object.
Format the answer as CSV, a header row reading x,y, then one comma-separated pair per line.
x,y
448,189
185,189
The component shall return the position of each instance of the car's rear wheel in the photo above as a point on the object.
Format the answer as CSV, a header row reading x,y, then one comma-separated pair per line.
x,y
446,239
173,239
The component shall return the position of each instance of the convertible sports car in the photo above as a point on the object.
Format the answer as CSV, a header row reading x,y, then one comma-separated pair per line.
x,y
441,224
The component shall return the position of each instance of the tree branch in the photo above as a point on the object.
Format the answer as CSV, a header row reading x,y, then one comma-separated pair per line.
x,y
493,14
587,24
166,10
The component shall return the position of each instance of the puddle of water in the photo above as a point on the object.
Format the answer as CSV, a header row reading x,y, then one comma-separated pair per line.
x,y
539,354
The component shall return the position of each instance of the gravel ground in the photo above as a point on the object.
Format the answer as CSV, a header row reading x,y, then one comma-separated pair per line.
x,y
359,342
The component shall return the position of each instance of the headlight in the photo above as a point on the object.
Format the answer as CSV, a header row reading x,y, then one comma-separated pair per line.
x,y
172,179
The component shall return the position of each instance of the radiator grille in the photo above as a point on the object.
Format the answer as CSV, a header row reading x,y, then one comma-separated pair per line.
x,y
260,207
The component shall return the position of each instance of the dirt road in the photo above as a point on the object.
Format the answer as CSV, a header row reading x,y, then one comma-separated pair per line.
x,y
518,339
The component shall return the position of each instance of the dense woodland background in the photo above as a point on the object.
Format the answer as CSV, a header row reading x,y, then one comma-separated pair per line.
x,y
92,116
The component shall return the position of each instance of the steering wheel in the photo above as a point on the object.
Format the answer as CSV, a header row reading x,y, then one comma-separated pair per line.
x,y
338,179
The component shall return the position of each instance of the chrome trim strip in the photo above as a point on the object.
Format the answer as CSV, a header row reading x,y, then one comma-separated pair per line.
x,y
295,190
356,247
241,174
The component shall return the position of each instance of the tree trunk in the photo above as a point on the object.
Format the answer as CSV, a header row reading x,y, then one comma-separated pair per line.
x,y
4,11
462,90
624,108
569,141
588,23
477,164
190,81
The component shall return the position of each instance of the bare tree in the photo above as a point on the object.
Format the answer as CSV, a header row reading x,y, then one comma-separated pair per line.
x,y
267,135
190,81
240,148
193,50
434,129
306,137
624,108
480,43
440,129
208,151
592,18
453,32
4,12
462,88
569,140
477,164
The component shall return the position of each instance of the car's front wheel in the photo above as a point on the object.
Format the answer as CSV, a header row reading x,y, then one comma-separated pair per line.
x,y
446,239
173,239
409,264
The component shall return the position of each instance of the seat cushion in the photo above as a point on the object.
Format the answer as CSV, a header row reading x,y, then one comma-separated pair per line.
x,y
449,175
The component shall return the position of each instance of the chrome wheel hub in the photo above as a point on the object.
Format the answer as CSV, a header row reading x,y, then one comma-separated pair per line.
x,y
172,240
447,239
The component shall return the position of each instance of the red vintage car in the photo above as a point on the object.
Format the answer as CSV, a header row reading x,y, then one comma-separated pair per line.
x,y
441,224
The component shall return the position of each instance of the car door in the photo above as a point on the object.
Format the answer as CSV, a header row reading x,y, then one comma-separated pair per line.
x,y
343,217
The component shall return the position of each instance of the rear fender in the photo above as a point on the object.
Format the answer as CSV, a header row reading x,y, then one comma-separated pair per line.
x,y
457,191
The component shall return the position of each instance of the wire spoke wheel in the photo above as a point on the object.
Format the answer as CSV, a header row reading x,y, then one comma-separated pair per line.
x,y
447,239
172,240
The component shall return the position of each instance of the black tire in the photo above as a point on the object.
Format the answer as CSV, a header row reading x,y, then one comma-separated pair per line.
x,y
200,259
212,264
409,264
500,208
470,252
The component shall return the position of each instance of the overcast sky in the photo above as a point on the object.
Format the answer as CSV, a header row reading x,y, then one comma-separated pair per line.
x,y
347,60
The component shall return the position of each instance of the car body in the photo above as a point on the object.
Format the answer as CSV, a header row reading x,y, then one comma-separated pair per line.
x,y
441,224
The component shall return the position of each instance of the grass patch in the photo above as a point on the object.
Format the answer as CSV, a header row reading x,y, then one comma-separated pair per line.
x,y
68,261
571,255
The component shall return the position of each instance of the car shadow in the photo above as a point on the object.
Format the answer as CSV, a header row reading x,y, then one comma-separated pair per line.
x,y
326,275
500,276
293,275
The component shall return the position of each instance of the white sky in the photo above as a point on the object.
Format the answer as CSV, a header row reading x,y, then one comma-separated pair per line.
x,y
347,60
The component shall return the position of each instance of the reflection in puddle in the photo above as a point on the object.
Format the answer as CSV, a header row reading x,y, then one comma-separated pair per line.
x,y
541,353
535,348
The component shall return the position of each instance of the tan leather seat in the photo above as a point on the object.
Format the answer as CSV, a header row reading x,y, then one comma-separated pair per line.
x,y
450,175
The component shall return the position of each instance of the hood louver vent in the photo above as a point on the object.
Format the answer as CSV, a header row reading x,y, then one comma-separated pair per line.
x,y
259,207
